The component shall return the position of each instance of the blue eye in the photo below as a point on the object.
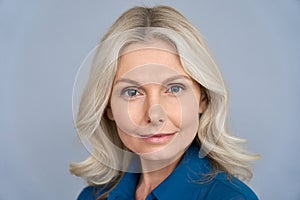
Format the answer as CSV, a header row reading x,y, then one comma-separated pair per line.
x,y
175,89
130,92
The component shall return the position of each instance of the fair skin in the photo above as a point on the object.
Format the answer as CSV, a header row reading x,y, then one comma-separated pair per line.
x,y
155,105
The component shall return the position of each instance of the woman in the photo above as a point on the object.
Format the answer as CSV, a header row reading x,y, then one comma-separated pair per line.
x,y
154,111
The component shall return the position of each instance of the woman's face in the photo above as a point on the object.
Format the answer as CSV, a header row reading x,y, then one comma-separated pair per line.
x,y
154,102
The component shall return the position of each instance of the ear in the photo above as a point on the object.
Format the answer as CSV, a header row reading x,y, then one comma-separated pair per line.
x,y
109,113
203,103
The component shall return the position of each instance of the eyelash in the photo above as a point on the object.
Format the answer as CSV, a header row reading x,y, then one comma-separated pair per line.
x,y
181,88
125,92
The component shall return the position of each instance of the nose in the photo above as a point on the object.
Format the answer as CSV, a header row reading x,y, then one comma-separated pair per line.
x,y
156,114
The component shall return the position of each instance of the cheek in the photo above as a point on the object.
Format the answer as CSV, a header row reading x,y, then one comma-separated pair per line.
x,y
190,114
120,113
173,108
125,138
129,115
132,143
190,124
136,112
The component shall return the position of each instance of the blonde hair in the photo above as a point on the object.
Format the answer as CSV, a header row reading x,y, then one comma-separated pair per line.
x,y
224,150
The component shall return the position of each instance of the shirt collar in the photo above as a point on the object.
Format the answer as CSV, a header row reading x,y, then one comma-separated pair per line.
x,y
183,180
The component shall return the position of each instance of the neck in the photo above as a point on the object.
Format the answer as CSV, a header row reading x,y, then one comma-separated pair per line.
x,y
151,179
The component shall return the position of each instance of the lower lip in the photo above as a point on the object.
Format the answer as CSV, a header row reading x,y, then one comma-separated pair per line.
x,y
159,138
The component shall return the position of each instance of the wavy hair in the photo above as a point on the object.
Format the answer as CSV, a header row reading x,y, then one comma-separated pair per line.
x,y
140,24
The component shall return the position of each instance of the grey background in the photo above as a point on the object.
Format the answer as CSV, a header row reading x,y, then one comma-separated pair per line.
x,y
43,43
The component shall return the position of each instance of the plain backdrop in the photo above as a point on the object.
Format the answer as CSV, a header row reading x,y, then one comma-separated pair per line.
x,y
255,42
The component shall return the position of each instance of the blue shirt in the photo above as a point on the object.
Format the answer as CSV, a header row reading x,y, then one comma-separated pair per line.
x,y
187,181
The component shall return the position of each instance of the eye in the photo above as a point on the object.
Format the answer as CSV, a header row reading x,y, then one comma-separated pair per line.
x,y
175,89
130,92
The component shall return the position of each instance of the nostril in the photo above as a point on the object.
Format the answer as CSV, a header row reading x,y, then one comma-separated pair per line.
x,y
156,114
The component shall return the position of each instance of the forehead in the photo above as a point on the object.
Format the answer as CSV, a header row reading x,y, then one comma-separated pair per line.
x,y
145,58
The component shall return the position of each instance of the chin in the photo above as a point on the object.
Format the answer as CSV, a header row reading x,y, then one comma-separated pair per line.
x,y
163,154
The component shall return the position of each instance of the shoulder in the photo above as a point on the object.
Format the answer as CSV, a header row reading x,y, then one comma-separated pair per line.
x,y
91,193
230,188
222,186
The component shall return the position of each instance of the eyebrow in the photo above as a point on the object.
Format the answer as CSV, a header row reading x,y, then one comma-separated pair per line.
x,y
173,78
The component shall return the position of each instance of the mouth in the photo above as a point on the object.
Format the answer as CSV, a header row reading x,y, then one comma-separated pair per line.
x,y
158,138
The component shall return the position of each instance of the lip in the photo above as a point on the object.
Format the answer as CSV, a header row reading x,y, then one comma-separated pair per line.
x,y
158,138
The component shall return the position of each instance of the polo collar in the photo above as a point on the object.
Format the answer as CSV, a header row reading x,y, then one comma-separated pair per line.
x,y
183,181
